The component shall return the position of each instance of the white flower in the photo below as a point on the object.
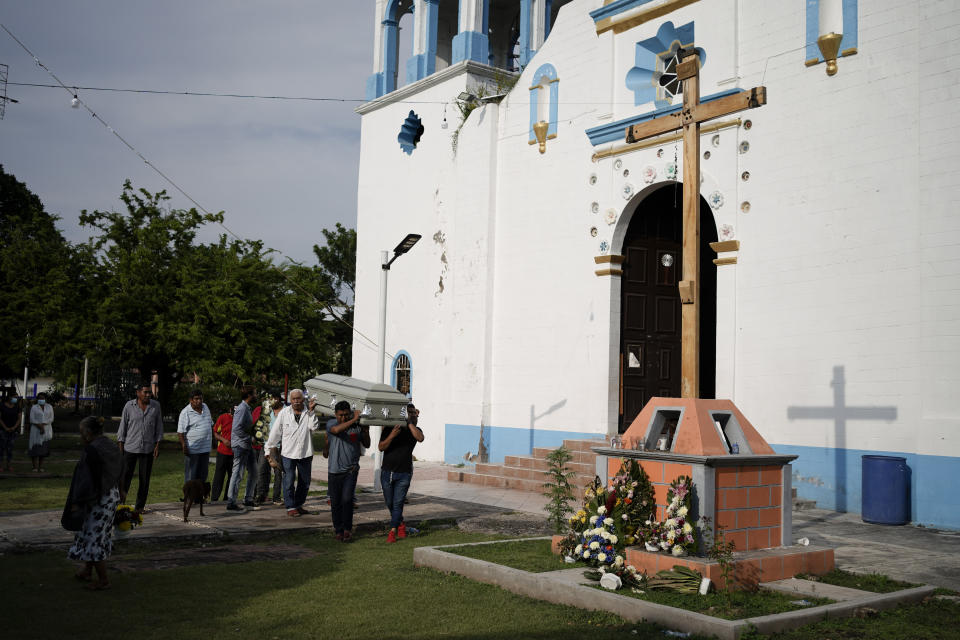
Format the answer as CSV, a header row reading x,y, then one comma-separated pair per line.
x,y
594,545
586,554
579,549
593,519
604,535
631,568
664,544
671,535
618,561
670,524
608,521
613,539
687,528
602,557
624,517
682,512
677,551
601,510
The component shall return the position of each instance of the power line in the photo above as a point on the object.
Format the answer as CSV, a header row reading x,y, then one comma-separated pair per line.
x,y
210,94
79,102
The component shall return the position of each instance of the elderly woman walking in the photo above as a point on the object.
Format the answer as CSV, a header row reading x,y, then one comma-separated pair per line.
x,y
92,503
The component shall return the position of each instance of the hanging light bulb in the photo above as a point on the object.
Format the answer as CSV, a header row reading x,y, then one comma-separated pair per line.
x,y
75,102
443,123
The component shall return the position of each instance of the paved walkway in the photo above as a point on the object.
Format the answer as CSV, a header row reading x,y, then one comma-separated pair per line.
x,y
913,554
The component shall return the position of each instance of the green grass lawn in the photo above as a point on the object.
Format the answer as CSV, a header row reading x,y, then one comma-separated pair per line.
x,y
366,589
166,479
529,555
733,605
865,582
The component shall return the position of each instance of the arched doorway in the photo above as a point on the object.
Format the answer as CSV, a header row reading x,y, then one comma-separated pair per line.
x,y
650,302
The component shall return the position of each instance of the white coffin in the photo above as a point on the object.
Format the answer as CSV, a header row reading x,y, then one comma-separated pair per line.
x,y
378,404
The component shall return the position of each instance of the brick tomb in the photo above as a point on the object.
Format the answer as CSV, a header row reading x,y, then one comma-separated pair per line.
x,y
740,483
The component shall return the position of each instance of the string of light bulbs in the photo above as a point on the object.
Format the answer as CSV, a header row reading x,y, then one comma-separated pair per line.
x,y
77,102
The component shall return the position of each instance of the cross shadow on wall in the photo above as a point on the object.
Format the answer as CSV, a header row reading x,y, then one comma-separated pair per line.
x,y
534,417
840,413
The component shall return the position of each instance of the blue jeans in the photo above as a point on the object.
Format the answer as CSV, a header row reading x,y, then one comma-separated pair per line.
x,y
395,485
243,461
341,488
299,468
195,466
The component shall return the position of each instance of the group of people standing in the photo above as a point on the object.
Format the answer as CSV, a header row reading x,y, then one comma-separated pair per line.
x,y
40,435
105,470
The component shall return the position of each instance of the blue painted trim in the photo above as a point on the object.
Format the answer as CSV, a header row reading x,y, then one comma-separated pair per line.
x,y
547,10
525,53
614,130
417,67
374,86
470,45
651,57
546,70
390,34
850,28
393,371
813,29
429,64
833,477
410,132
849,25
614,8
463,440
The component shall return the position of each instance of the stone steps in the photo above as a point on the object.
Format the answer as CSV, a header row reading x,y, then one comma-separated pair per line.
x,y
528,473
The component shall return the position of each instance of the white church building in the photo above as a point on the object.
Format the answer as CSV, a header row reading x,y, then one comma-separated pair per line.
x,y
542,301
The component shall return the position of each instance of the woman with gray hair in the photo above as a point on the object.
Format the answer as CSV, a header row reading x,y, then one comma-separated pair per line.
x,y
92,503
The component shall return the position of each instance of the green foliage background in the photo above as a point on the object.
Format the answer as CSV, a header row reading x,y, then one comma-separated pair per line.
x,y
144,294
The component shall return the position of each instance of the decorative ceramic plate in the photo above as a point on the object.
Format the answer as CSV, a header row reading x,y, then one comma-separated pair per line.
x,y
610,216
671,171
595,207
593,179
627,191
649,173
593,231
716,200
744,146
604,246
617,164
726,232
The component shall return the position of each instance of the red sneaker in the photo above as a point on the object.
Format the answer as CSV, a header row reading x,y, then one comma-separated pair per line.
x,y
391,537
402,530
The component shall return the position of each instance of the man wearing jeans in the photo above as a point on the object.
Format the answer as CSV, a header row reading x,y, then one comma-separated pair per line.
x,y
241,441
292,431
195,430
139,435
345,436
397,469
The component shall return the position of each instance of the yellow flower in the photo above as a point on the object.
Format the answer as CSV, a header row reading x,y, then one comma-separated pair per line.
x,y
124,526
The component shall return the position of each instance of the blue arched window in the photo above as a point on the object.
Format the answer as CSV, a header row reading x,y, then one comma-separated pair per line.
x,y
401,374
543,100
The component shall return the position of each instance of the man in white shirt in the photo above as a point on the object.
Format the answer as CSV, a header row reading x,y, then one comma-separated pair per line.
x,y
195,430
292,430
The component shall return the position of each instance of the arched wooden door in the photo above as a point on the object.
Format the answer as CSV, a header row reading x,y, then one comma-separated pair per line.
x,y
650,303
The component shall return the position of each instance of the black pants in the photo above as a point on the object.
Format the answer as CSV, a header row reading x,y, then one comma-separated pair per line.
x,y
221,476
263,476
144,462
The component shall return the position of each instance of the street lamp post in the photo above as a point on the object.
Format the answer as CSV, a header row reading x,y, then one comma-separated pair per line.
x,y
385,261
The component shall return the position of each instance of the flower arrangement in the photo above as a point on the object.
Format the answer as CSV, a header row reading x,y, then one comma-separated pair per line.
x,y
599,545
675,534
126,518
610,516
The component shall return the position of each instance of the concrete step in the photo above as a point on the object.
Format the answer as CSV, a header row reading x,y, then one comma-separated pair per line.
x,y
499,482
802,504
527,462
583,445
588,457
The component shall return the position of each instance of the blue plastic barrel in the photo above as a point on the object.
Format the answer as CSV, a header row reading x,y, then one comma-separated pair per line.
x,y
886,490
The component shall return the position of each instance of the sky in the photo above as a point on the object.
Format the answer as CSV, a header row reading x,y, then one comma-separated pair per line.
x,y
280,170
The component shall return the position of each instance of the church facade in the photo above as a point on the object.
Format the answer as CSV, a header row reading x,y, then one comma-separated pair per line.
x,y
542,301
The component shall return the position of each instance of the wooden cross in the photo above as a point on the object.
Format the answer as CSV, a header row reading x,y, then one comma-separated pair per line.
x,y
689,119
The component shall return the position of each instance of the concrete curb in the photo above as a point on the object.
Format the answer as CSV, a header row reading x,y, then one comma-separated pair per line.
x,y
542,587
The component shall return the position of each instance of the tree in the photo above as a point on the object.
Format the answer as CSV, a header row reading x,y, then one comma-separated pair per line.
x,y
224,310
143,259
43,282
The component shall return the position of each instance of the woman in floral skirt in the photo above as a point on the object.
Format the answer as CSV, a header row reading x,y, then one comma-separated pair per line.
x,y
92,503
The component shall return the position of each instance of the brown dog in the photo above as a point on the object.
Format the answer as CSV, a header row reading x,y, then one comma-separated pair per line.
x,y
194,492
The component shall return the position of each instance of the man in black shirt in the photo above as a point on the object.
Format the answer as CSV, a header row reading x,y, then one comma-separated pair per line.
x,y
397,468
